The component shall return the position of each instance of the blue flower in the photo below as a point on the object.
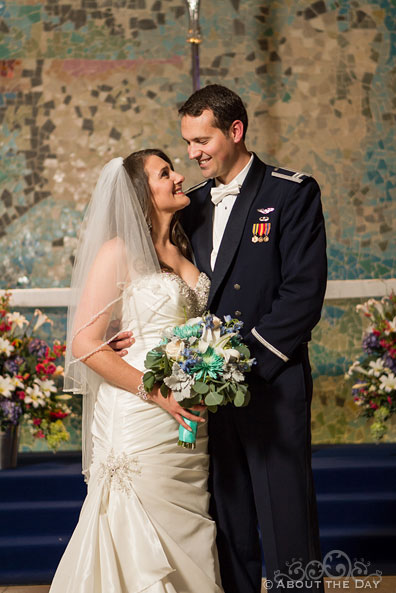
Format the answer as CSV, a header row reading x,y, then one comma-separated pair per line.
x,y
188,365
209,322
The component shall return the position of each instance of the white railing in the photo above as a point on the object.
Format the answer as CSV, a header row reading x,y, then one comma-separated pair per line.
x,y
336,289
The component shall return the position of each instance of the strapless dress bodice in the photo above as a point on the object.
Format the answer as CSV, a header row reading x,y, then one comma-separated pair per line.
x,y
155,303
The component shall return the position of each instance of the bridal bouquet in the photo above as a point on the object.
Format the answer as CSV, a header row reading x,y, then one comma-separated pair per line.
x,y
29,376
374,374
202,361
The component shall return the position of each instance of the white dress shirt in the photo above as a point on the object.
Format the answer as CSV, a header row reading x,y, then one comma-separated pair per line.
x,y
222,211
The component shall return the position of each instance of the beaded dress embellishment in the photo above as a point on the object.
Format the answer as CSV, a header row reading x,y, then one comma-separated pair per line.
x,y
118,471
197,297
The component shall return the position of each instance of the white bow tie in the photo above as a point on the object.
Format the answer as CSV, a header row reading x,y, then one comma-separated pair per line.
x,y
218,193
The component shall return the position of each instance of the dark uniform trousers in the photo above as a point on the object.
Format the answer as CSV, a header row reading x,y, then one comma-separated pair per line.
x,y
271,273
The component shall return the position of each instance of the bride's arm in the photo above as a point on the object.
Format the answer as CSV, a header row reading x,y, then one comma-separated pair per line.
x,y
101,289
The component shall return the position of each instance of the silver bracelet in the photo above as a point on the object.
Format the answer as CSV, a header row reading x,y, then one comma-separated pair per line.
x,y
141,392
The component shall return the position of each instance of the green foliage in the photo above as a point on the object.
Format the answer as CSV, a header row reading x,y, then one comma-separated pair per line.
x,y
201,388
149,381
164,389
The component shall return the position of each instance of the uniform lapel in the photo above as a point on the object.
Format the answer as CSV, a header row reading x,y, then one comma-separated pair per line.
x,y
236,224
204,236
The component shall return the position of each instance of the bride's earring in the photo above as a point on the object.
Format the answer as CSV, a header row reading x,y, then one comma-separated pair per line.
x,y
150,225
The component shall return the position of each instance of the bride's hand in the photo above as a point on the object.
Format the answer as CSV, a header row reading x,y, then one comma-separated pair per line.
x,y
175,409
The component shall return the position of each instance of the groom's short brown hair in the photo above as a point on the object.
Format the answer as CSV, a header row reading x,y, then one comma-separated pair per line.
x,y
226,106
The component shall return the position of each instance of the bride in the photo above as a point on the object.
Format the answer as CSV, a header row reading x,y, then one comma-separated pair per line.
x,y
144,525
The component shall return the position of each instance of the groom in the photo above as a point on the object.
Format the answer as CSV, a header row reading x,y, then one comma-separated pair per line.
x,y
258,232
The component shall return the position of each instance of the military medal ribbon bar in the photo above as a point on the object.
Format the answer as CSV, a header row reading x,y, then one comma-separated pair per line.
x,y
261,232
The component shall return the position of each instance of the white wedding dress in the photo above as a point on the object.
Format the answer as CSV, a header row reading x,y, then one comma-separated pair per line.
x,y
144,525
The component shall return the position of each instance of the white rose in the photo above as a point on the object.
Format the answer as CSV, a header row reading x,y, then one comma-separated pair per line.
x,y
174,349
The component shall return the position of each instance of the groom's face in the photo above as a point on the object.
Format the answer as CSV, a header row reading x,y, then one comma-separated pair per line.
x,y
214,151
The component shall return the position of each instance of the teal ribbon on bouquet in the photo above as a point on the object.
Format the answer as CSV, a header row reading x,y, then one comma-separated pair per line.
x,y
187,439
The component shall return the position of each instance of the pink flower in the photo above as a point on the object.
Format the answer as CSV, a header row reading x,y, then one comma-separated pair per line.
x,y
36,421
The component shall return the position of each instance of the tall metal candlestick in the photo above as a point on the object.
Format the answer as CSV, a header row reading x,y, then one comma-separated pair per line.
x,y
194,38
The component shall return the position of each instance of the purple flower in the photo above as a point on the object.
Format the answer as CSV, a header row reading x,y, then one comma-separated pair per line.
x,y
12,365
389,362
371,343
39,347
10,411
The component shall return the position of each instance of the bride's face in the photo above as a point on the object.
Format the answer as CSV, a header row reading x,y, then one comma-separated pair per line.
x,y
165,185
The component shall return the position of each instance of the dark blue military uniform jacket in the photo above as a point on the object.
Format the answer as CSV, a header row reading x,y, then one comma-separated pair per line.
x,y
271,266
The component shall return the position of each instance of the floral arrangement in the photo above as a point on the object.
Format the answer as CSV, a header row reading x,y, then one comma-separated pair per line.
x,y
374,375
29,377
202,361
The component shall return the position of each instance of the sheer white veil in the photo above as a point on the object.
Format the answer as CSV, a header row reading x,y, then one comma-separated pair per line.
x,y
115,220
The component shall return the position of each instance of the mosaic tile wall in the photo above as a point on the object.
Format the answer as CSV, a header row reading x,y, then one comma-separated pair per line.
x,y
82,81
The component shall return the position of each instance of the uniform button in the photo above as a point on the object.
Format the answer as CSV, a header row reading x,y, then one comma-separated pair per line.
x,y
238,313
237,286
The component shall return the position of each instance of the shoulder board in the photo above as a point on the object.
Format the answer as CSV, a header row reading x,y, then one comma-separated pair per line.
x,y
296,176
194,187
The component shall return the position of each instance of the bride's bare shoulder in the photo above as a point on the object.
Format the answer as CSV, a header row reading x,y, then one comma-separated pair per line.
x,y
113,248
111,255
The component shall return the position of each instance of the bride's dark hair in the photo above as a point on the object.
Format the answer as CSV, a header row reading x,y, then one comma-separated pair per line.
x,y
134,166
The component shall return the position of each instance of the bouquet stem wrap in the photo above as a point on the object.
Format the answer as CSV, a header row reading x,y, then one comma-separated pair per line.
x,y
188,439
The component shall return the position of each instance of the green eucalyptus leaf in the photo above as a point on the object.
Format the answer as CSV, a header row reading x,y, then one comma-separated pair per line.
x,y
187,402
212,408
200,388
239,399
244,350
247,397
214,399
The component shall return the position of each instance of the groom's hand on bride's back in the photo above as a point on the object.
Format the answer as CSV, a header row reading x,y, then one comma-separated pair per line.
x,y
122,341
